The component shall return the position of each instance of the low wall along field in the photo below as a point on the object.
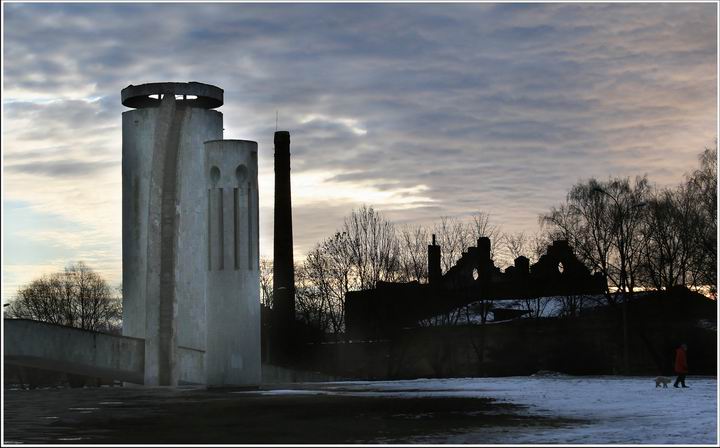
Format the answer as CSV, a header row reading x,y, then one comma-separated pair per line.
x,y
587,345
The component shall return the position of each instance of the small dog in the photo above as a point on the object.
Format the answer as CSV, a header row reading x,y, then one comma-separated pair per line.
x,y
662,380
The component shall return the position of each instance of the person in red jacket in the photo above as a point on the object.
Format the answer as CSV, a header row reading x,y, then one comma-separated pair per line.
x,y
681,366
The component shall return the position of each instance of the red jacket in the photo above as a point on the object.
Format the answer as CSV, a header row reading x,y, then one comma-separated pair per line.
x,y
681,361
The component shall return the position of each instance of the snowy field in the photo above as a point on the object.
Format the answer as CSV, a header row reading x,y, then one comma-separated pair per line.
x,y
613,410
544,409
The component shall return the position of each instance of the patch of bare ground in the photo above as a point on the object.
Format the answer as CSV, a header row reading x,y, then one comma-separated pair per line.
x,y
172,416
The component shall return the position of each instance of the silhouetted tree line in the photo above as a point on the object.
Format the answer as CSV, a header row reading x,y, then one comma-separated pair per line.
x,y
76,297
641,236
636,234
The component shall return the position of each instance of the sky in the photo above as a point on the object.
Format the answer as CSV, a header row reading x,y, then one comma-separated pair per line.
x,y
420,110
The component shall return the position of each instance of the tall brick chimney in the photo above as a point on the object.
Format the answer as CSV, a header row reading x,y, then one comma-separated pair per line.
x,y
283,269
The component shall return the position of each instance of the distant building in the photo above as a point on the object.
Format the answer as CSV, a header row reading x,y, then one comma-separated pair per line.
x,y
379,313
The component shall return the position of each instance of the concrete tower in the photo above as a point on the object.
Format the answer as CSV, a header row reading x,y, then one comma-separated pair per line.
x,y
179,220
283,268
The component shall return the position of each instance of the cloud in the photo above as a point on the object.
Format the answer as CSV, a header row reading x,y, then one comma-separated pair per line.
x,y
424,110
61,168
350,123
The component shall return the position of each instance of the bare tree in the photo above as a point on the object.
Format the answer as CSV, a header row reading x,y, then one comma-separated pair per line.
x,y
481,226
266,282
313,305
327,276
412,256
454,237
669,238
582,221
570,306
680,231
372,246
602,221
702,186
77,297
538,244
365,252
628,217
517,244
531,246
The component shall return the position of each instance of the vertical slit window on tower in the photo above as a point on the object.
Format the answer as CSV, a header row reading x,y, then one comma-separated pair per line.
x,y
236,225
249,226
209,227
221,230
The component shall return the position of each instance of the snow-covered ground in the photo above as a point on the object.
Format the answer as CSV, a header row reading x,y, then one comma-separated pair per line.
x,y
613,410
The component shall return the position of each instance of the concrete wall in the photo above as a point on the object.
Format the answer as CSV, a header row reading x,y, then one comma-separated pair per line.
x,y
590,345
272,374
233,278
53,347
191,366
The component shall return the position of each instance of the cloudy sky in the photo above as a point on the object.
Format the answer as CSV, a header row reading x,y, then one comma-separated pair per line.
x,y
418,109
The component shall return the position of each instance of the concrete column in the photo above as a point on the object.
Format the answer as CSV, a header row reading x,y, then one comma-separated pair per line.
x,y
233,276
434,268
